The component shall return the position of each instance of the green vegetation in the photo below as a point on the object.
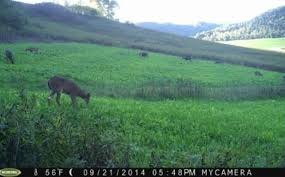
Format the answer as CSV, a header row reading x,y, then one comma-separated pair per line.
x,y
83,10
10,18
268,25
111,68
106,7
124,130
103,8
120,132
276,44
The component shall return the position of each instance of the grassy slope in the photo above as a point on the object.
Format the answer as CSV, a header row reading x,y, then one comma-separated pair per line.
x,y
55,25
274,44
124,68
136,133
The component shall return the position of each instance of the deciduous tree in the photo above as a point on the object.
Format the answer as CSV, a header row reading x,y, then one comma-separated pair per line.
x,y
106,7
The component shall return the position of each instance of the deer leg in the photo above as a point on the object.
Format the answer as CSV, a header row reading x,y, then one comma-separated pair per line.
x,y
50,96
73,99
58,94
7,59
12,60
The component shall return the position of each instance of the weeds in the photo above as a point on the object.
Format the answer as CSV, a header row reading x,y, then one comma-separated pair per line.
x,y
52,138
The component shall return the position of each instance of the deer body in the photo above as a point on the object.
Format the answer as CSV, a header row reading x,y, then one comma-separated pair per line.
x,y
60,85
257,73
187,57
32,49
9,55
143,54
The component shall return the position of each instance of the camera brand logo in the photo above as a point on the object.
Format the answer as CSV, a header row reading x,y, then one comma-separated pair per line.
x,y
9,172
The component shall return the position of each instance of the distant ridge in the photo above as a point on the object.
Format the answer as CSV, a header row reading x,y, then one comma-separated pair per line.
x,y
182,30
270,24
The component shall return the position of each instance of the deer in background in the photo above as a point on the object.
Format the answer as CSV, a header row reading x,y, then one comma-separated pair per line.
x,y
32,49
9,55
143,54
257,73
187,57
60,85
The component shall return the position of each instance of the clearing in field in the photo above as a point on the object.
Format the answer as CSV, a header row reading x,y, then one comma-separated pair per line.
x,y
273,44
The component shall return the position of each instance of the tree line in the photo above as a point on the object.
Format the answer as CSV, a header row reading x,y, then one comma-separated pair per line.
x,y
10,16
105,8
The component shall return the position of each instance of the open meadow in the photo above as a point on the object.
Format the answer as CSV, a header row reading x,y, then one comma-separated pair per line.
x,y
273,44
156,111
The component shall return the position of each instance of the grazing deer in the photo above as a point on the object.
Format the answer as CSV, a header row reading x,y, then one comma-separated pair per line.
x,y
9,56
59,84
32,49
143,54
188,57
218,62
257,73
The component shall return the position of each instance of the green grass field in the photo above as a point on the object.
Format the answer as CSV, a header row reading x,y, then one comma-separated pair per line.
x,y
123,67
122,73
124,126
273,44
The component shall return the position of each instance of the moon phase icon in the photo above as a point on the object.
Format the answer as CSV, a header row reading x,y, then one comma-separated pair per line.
x,y
70,172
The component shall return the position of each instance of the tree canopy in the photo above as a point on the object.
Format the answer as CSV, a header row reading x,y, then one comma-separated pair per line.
x,y
83,10
9,16
106,7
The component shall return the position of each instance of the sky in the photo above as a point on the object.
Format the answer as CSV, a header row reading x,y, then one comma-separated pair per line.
x,y
187,11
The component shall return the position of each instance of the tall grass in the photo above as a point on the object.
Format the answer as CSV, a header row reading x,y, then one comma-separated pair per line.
x,y
181,89
129,133
40,136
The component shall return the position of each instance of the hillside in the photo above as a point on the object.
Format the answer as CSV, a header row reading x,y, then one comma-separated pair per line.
x,y
182,30
107,72
48,22
270,24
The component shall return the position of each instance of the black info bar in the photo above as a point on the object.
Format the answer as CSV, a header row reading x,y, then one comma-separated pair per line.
x,y
141,172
